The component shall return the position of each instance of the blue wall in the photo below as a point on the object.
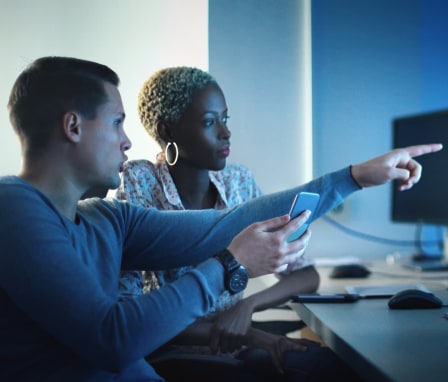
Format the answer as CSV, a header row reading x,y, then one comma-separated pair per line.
x,y
373,60
434,54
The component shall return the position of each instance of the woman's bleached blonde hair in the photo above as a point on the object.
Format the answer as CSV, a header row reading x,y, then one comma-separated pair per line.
x,y
167,93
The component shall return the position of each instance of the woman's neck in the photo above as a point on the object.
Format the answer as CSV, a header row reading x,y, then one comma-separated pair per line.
x,y
195,189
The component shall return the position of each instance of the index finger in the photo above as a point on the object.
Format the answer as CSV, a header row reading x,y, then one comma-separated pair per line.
x,y
417,150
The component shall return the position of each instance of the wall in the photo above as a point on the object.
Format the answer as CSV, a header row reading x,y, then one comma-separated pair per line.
x,y
373,60
258,55
134,38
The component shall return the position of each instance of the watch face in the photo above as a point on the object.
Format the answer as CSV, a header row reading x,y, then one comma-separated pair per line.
x,y
238,280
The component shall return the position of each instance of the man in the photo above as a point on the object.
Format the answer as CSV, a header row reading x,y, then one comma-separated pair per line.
x,y
60,318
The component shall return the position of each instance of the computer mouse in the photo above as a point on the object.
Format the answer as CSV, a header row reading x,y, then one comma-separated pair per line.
x,y
349,271
414,299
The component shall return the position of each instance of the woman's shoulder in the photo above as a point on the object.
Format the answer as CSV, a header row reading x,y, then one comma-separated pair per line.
x,y
138,166
139,180
141,172
235,170
237,183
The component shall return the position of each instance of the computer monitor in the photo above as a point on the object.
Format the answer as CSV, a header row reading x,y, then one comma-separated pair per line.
x,y
427,201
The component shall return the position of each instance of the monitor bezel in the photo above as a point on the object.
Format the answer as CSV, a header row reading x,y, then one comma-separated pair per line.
x,y
422,193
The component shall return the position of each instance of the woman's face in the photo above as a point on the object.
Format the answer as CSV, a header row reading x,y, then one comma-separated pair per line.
x,y
202,135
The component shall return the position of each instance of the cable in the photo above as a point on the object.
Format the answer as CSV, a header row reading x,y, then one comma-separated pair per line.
x,y
414,243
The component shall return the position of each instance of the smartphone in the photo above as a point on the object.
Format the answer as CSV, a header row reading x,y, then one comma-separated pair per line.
x,y
303,201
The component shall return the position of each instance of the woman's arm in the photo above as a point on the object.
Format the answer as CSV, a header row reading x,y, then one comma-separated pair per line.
x,y
231,326
197,334
276,345
301,281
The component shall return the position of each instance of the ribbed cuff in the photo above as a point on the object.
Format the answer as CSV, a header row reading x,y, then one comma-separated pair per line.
x,y
360,187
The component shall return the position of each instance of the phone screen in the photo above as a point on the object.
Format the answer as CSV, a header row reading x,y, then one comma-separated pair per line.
x,y
303,201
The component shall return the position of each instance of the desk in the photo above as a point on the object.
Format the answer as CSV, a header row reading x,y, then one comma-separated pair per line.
x,y
382,344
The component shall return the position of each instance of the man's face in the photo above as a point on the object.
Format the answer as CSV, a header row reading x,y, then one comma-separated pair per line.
x,y
104,143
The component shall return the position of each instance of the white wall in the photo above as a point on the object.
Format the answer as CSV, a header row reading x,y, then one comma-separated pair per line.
x,y
134,38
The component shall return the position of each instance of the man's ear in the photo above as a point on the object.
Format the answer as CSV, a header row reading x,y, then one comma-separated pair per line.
x,y
163,131
72,126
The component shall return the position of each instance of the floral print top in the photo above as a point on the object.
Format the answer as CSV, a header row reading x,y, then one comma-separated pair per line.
x,y
151,185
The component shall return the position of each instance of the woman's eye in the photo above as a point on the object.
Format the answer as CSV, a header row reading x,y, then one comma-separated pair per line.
x,y
209,122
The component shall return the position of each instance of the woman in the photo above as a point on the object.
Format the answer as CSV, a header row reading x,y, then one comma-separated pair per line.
x,y
185,111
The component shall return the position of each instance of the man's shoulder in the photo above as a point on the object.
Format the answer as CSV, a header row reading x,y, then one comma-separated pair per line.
x,y
11,184
21,201
9,179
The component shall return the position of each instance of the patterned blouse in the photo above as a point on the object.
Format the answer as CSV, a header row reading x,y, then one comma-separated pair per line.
x,y
151,185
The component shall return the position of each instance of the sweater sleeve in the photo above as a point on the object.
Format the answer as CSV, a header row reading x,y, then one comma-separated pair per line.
x,y
197,234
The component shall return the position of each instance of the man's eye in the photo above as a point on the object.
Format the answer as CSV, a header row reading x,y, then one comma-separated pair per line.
x,y
225,119
118,122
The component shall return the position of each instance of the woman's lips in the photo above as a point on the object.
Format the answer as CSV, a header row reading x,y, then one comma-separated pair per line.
x,y
224,152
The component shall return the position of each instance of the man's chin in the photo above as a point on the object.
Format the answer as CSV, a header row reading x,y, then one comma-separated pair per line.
x,y
96,191
114,184
101,189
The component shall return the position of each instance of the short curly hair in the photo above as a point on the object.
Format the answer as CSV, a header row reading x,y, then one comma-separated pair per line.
x,y
166,94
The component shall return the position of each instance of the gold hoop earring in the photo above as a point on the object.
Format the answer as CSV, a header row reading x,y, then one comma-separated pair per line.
x,y
175,156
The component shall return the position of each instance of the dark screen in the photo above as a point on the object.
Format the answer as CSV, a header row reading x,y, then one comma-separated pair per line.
x,y
427,201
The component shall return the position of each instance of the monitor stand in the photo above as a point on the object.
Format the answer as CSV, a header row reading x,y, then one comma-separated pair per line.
x,y
423,262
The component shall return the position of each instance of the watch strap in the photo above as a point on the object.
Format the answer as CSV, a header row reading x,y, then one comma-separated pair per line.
x,y
235,274
227,260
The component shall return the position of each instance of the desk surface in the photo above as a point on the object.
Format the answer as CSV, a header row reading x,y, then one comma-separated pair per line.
x,y
379,343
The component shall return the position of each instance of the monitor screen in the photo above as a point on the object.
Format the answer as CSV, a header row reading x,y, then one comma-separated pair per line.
x,y
427,201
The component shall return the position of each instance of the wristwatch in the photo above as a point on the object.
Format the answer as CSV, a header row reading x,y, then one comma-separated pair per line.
x,y
236,275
